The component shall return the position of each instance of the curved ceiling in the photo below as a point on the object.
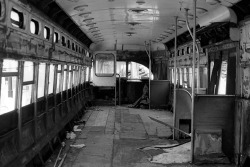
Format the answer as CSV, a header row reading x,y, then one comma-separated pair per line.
x,y
131,23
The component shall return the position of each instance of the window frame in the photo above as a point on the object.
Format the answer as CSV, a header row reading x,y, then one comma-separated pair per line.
x,y
56,37
48,32
20,23
105,74
37,25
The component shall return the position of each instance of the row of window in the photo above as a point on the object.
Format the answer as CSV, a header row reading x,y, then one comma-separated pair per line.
x,y
67,77
17,20
186,51
184,77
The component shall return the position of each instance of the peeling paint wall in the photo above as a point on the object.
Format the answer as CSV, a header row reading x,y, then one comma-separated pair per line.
x,y
245,58
208,142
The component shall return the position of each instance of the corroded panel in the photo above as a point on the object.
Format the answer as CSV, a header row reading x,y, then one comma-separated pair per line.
x,y
208,142
246,82
41,127
245,42
8,149
50,118
27,136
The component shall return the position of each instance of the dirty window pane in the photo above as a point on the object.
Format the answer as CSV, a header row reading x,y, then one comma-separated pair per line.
x,y
82,75
10,66
26,97
105,64
51,78
65,79
185,83
46,32
180,72
28,71
223,78
16,18
121,68
211,68
58,78
87,74
41,80
34,26
190,73
58,82
69,80
8,94
138,71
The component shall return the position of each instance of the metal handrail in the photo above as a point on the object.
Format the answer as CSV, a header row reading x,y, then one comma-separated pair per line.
x,y
119,90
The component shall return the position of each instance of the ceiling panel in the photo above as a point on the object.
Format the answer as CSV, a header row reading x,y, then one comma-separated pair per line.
x,y
133,21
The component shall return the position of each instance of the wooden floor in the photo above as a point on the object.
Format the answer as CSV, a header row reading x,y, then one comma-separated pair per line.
x,y
113,138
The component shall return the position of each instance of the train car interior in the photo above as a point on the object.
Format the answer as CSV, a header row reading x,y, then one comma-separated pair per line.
x,y
124,83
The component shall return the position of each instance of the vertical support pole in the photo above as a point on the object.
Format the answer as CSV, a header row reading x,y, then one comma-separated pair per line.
x,y
19,102
1,69
127,69
61,84
54,89
198,69
115,72
149,78
36,66
175,59
193,81
119,90
149,64
46,92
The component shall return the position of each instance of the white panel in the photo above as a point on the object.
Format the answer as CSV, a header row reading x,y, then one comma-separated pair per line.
x,y
102,80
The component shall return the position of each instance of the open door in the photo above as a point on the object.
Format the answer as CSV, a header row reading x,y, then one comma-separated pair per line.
x,y
104,69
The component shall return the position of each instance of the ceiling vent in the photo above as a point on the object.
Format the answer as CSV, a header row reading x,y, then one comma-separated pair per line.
x,y
140,2
133,23
89,20
81,8
85,15
220,14
138,10
130,33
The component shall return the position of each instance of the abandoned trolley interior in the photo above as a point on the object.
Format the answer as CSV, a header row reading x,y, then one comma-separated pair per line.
x,y
124,83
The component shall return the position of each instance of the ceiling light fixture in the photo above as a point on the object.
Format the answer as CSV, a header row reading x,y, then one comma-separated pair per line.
x,y
89,20
133,23
178,27
85,15
95,31
182,22
90,25
140,2
80,8
138,10
201,10
213,2
93,28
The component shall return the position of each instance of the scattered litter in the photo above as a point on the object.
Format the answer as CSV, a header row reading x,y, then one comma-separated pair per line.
x,y
71,135
155,147
179,154
58,156
75,129
81,122
61,163
78,145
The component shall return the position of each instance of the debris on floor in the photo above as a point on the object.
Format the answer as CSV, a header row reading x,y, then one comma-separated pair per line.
x,y
178,154
78,145
75,129
70,135
155,147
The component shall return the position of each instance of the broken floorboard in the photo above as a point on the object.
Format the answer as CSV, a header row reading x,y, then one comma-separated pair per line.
x,y
105,147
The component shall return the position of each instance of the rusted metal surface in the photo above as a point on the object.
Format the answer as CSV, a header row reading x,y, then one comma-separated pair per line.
x,y
208,142
19,43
